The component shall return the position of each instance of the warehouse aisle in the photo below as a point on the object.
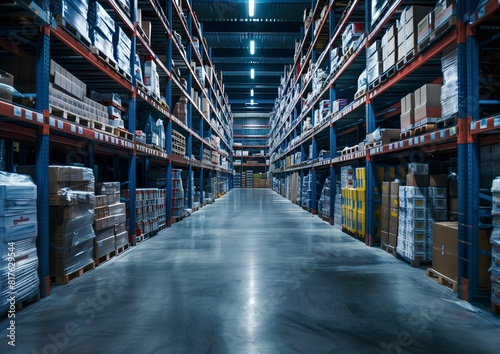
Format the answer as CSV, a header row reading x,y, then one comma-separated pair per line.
x,y
253,273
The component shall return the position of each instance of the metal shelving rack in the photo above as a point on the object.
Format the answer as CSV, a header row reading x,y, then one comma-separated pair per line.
x,y
253,139
37,126
378,105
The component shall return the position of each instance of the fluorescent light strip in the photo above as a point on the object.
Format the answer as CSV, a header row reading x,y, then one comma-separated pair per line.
x,y
252,73
251,93
252,47
251,8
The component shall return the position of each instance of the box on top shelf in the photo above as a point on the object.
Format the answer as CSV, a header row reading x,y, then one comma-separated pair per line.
x,y
101,20
408,111
351,33
444,10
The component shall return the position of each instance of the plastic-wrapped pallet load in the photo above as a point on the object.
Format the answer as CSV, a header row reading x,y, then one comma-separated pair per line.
x,y
71,202
122,49
449,90
18,232
324,200
72,12
102,29
495,246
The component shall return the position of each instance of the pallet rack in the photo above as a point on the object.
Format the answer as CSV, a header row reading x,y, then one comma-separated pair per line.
x,y
378,105
129,161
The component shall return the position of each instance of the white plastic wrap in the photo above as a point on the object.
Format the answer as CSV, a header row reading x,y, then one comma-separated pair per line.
x,y
449,90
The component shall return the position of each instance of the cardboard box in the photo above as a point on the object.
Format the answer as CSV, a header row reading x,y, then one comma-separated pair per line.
x,y
384,237
146,27
408,103
438,180
385,218
413,180
407,119
445,249
386,188
426,111
453,204
393,221
394,189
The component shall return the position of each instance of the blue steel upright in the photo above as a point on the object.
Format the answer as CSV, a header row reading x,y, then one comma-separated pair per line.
x,y
42,159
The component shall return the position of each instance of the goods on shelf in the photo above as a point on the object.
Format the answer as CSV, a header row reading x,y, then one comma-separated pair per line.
x,y
495,244
407,27
378,7
389,50
101,30
351,34
362,85
138,69
177,194
337,215
408,112
109,216
449,90
374,62
151,77
445,249
72,13
180,109
428,103
71,215
324,200
6,86
149,203
382,135
18,233
122,49
237,180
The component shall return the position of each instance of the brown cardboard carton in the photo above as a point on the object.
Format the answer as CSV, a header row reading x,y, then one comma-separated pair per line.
x,y
413,180
394,189
385,219
386,188
393,240
386,200
384,237
438,180
394,221
445,249
453,204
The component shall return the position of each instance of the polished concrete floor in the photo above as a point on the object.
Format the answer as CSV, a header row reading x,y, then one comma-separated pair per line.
x,y
253,273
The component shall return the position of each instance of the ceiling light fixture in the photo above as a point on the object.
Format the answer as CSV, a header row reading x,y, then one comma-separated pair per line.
x,y
251,93
252,47
252,73
252,102
251,8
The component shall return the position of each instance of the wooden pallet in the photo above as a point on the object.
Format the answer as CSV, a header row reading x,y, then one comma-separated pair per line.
x,y
373,144
407,59
104,258
360,93
110,61
419,262
374,84
82,38
20,305
71,117
124,73
442,279
65,279
406,134
123,133
122,249
446,122
96,125
389,249
325,218
445,27
426,121
424,129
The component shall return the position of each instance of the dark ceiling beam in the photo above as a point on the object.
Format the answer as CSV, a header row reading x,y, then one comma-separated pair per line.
x,y
243,52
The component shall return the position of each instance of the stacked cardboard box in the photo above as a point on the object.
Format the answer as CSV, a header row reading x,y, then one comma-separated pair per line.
x,y
388,46
177,194
361,201
377,9
350,36
71,201
394,213
495,244
110,216
386,205
408,112
324,200
151,77
428,103
18,232
407,29
445,249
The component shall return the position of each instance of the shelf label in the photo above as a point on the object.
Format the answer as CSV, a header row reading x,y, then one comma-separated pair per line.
x,y
390,146
73,128
39,118
496,121
96,135
80,130
483,124
28,115
422,139
442,134
453,131
106,138
433,136
17,111
52,122
410,142
481,12
60,124
101,136
401,144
